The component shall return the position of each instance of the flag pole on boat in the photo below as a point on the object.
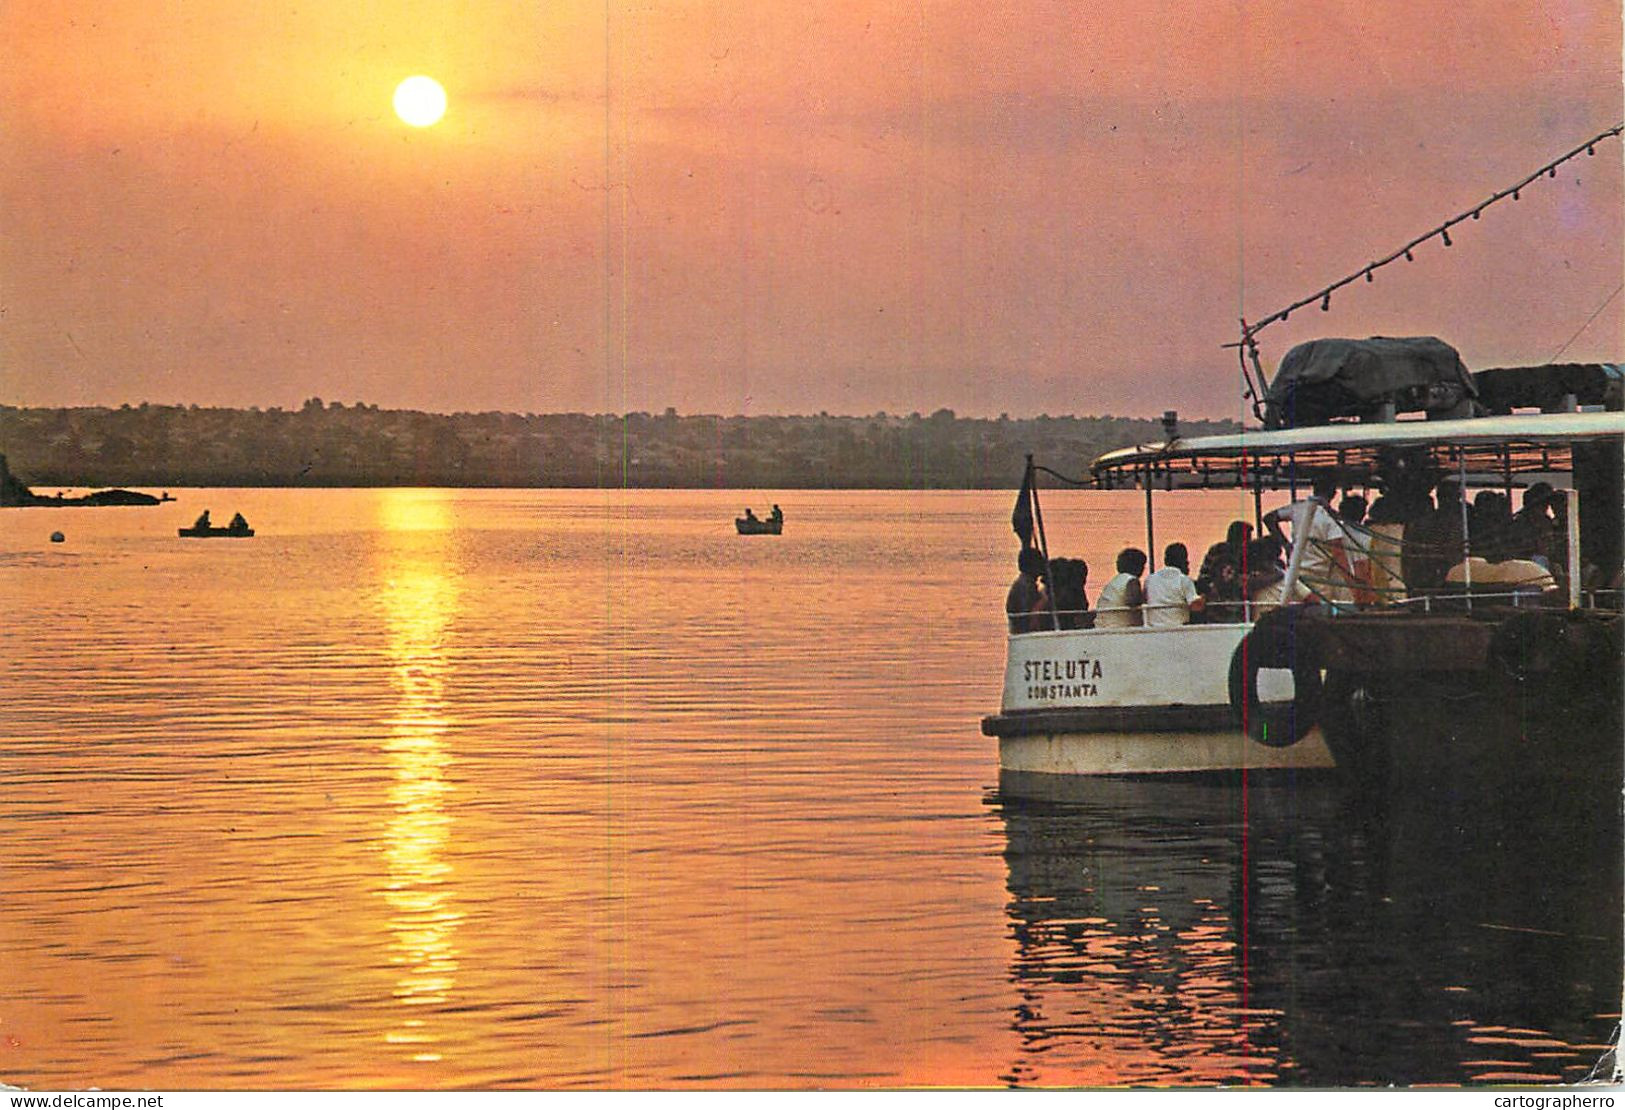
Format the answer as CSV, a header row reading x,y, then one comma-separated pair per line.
x,y
1026,514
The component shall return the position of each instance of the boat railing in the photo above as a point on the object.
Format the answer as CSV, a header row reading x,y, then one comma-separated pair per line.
x,y
1246,612
1455,601
1084,619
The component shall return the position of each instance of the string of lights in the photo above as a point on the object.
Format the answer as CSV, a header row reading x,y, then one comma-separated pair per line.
x,y
1247,346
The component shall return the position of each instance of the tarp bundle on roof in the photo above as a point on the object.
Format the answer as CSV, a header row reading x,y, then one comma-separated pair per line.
x,y
1328,378
1547,387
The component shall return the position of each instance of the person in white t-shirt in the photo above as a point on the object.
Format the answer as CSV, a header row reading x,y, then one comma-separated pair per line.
x,y
1118,605
1325,568
1170,595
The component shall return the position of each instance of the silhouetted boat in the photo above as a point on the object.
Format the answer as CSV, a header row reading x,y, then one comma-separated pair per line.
x,y
202,529
754,526
209,531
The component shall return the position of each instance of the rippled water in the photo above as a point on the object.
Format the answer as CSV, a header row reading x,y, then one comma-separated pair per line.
x,y
426,788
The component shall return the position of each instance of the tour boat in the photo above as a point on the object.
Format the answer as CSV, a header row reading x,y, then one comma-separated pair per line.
x,y
1443,684
1296,686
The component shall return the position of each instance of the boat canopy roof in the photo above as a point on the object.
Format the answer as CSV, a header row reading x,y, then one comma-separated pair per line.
x,y
1501,445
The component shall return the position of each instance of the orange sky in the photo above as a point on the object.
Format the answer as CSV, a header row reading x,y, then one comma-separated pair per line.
x,y
781,207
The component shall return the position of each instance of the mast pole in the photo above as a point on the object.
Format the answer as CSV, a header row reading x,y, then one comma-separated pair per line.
x,y
1043,545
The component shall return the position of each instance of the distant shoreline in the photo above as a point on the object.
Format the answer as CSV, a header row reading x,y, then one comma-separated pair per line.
x,y
362,446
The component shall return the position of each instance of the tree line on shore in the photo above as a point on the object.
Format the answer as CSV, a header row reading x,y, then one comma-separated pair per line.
x,y
330,444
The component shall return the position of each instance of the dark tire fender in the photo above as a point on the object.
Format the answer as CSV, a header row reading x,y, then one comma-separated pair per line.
x,y
1277,642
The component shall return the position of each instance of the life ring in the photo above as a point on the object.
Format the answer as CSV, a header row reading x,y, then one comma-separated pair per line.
x,y
1276,644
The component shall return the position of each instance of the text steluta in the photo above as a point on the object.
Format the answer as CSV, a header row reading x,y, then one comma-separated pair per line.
x,y
1054,679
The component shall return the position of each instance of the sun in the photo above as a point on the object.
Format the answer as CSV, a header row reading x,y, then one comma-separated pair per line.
x,y
420,101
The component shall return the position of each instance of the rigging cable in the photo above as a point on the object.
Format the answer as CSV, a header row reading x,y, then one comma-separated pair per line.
x,y
1606,302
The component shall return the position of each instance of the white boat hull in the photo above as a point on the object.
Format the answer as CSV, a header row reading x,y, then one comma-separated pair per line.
x,y
1135,701
1154,753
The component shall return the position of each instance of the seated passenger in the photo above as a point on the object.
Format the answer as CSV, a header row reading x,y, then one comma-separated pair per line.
x,y
1266,579
1069,576
1024,596
238,522
1220,579
1533,528
202,521
1118,605
1170,595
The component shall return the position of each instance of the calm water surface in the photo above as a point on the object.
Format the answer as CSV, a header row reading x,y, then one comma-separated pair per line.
x,y
426,788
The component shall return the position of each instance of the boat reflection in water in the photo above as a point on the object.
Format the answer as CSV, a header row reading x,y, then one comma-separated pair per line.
x,y
419,598
1196,933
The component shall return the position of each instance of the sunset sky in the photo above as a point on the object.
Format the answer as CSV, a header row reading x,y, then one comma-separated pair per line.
x,y
785,207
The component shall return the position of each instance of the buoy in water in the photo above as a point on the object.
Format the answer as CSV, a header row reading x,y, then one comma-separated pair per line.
x,y
57,537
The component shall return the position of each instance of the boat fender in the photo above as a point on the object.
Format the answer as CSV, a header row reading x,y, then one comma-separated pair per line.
x,y
1275,644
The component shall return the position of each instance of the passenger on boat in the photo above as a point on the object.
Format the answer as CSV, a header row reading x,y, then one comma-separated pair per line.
x,y
1325,567
1489,524
1357,546
202,521
1118,605
1067,579
1220,579
750,515
1399,506
238,522
1266,577
776,515
1533,528
1022,603
1170,595
1433,540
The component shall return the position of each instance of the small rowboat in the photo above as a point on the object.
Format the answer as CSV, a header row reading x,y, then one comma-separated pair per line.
x,y
210,531
754,526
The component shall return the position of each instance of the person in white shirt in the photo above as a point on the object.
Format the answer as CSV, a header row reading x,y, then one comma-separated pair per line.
x,y
1170,595
1325,568
1118,605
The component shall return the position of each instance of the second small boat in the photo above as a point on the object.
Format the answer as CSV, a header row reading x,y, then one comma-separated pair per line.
x,y
752,525
203,529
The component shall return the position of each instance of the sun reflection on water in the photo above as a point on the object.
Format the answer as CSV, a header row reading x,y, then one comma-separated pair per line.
x,y
419,598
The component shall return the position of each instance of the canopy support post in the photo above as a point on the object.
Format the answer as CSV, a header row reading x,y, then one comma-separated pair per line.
x,y
1571,511
1150,528
1466,535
